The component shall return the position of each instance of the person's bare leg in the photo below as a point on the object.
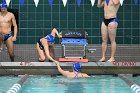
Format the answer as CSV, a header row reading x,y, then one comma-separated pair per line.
x,y
112,35
1,40
40,53
10,48
104,33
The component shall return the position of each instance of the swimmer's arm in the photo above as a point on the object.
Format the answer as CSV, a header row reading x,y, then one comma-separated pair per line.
x,y
86,75
100,3
65,73
116,2
47,50
15,26
55,32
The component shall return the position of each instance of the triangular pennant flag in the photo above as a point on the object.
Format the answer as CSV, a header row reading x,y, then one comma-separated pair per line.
x,y
36,2
107,2
64,2
21,2
78,2
50,2
136,2
121,2
92,2
7,2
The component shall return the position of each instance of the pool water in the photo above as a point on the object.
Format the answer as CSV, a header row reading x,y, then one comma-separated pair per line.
x,y
6,82
97,84
60,84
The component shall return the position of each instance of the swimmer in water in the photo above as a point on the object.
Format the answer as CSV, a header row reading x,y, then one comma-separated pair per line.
x,y
74,74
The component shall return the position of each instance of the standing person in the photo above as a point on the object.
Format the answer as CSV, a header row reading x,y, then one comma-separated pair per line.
x,y
45,46
109,26
74,74
7,19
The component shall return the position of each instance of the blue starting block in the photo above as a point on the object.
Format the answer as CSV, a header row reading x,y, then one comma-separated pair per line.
x,y
75,38
76,41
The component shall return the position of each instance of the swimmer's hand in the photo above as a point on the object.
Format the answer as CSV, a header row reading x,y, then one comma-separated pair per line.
x,y
60,35
14,38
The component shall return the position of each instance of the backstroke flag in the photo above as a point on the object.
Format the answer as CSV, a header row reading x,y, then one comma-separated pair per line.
x,y
21,2
64,2
7,2
107,2
50,2
136,2
36,2
92,2
78,2
121,2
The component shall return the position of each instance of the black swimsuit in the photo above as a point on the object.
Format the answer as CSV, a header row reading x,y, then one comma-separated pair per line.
x,y
40,44
107,21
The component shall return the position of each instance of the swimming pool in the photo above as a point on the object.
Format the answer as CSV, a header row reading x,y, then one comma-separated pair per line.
x,y
59,84
6,82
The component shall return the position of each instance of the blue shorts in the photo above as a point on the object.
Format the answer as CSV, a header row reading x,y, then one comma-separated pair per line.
x,y
6,36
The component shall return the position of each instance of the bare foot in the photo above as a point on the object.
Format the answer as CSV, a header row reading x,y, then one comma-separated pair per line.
x,y
111,60
102,59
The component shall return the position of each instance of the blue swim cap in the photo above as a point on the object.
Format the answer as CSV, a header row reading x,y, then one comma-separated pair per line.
x,y
77,67
50,38
3,5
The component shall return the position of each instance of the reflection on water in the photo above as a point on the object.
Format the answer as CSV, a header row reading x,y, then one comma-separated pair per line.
x,y
73,87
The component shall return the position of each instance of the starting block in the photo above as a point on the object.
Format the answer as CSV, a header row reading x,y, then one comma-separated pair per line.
x,y
76,42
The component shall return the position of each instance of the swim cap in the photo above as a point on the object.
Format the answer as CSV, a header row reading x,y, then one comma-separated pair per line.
x,y
76,67
3,5
50,38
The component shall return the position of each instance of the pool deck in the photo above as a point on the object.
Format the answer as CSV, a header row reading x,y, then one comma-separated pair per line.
x,y
127,57
28,53
49,68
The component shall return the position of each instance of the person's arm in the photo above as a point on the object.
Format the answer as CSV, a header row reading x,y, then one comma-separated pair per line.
x,y
100,3
15,27
55,32
116,2
65,73
46,48
86,75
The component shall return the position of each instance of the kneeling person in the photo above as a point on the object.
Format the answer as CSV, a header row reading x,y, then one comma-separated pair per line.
x,y
45,46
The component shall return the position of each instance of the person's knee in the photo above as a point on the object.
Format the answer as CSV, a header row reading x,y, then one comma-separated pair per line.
x,y
42,59
104,40
113,42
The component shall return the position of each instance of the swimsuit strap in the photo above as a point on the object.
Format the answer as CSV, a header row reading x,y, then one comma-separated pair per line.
x,y
76,75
